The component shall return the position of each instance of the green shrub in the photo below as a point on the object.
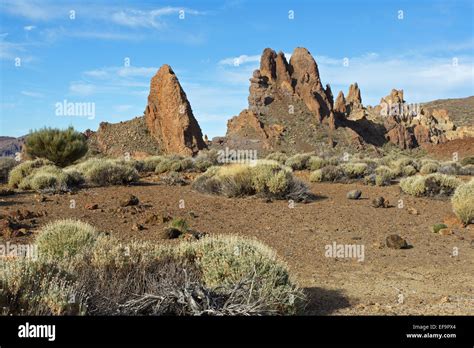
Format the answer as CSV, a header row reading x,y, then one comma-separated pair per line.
x,y
105,172
467,170
62,147
463,202
383,179
265,178
355,170
218,275
409,170
179,224
280,157
429,167
315,163
298,162
469,160
63,239
48,178
174,164
6,165
332,173
24,169
226,260
316,176
31,287
150,163
430,185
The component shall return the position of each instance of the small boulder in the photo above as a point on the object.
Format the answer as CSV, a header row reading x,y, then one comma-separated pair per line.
x,y
92,206
172,233
394,241
379,202
413,211
137,227
129,201
445,231
354,194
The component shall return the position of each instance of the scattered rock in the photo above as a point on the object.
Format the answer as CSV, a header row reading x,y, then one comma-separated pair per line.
x,y
267,200
413,211
394,241
445,231
172,233
354,194
379,202
40,198
129,201
193,214
137,227
437,227
92,206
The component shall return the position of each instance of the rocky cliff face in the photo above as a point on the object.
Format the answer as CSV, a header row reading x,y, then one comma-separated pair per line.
x,y
169,116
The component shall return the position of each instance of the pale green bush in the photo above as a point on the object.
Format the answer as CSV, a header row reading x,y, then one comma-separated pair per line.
x,y
63,239
430,185
463,202
24,169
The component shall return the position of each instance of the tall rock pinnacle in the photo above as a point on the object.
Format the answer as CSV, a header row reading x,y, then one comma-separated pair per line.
x,y
169,116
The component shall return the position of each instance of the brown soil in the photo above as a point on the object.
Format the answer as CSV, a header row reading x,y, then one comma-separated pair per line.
x,y
464,148
424,279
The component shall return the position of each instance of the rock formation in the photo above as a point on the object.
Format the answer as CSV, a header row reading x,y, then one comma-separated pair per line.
x,y
169,116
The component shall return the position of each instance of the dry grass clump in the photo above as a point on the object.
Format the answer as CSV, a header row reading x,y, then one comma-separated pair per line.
x,y
429,167
220,275
266,178
463,202
355,170
24,169
299,161
104,172
174,163
328,173
280,157
430,185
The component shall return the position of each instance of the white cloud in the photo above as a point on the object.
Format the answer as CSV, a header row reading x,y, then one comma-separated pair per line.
x,y
32,94
422,78
82,89
29,27
240,60
123,108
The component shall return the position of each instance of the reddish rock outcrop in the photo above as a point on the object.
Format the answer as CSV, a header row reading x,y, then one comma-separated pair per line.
x,y
354,99
340,104
169,116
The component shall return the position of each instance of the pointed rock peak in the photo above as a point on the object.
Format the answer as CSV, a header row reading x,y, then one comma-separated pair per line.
x,y
353,97
340,104
395,96
169,116
303,64
268,64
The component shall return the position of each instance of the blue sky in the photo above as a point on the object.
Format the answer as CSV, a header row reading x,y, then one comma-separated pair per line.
x,y
427,50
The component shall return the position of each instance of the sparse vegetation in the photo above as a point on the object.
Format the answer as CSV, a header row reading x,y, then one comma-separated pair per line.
x,y
24,169
62,147
299,161
268,179
105,172
463,202
213,276
430,185
6,165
